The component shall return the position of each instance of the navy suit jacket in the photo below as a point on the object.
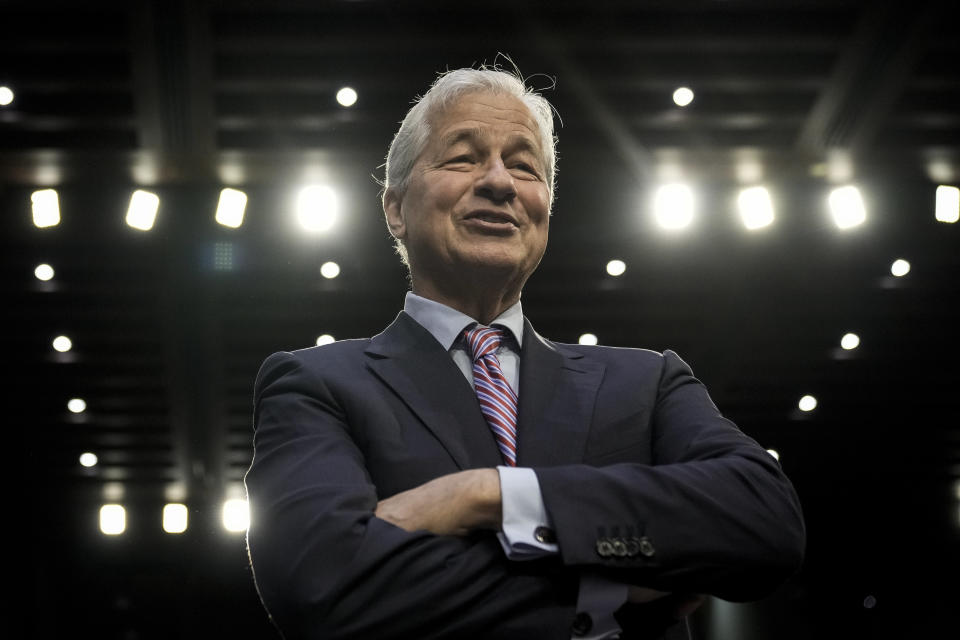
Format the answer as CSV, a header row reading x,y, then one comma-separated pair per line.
x,y
642,477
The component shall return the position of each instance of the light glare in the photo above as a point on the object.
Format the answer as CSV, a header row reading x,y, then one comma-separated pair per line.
x,y
846,206
62,344
347,97
6,96
230,208
900,268
948,204
673,206
174,518
850,341
807,403
113,519
88,459
43,272
142,211
317,208
77,405
588,338
683,96
616,267
329,270
756,207
774,453
325,339
46,208
236,515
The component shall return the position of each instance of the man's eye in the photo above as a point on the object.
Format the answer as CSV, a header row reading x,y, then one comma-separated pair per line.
x,y
460,160
522,166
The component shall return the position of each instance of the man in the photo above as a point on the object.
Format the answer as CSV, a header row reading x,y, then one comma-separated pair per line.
x,y
459,476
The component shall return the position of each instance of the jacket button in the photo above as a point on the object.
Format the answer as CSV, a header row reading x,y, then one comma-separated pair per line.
x,y
604,548
545,535
582,624
646,547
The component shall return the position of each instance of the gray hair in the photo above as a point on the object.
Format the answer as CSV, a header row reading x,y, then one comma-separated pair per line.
x,y
414,133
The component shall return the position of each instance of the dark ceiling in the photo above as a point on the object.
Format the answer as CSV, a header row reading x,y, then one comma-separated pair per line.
x,y
169,326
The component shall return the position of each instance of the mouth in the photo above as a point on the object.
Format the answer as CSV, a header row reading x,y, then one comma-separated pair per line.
x,y
492,218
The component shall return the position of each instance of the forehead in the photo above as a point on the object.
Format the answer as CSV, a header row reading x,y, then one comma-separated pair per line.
x,y
485,115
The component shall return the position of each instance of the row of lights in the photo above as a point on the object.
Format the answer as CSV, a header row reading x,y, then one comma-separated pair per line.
x,y
235,517
674,207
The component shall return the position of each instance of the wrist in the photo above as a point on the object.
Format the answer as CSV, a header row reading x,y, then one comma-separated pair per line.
x,y
485,499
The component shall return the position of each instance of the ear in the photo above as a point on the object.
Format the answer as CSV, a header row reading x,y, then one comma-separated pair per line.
x,y
393,212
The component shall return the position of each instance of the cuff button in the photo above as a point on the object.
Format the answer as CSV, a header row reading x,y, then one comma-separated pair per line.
x,y
545,535
582,624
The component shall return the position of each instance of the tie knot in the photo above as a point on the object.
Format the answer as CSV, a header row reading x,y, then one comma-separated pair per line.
x,y
483,341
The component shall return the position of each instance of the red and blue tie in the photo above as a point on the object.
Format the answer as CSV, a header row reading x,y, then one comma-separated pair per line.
x,y
498,401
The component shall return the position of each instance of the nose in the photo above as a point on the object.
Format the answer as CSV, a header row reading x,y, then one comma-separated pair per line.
x,y
496,183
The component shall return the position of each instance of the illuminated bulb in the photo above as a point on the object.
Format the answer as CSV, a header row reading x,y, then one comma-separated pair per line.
x,y
236,515
43,272
900,268
616,267
142,211
774,453
230,208
113,519
325,339
846,206
683,96
329,270
6,96
88,459
588,338
46,208
77,405
174,518
347,97
317,208
756,207
673,206
807,403
948,204
62,344
850,341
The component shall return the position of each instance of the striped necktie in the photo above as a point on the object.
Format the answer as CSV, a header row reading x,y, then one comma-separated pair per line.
x,y
498,402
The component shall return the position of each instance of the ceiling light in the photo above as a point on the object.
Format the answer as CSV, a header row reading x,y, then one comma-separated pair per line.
x,y
588,338
46,208
673,206
347,97
683,96
900,268
6,96
236,515
43,272
88,459
62,344
329,270
774,453
230,208
77,405
846,206
317,208
325,339
616,267
113,519
948,204
807,403
142,211
850,341
174,518
756,207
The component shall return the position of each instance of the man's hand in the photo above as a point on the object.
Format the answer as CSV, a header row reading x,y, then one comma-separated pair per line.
x,y
455,504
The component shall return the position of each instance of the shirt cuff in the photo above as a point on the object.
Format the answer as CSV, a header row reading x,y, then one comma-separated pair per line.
x,y
526,532
599,599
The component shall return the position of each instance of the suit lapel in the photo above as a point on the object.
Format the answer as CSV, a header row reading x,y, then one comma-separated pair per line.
x,y
420,371
557,394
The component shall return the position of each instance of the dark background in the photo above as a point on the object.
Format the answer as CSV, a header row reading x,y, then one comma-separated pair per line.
x,y
184,98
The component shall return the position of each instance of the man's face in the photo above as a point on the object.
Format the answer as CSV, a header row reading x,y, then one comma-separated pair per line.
x,y
477,197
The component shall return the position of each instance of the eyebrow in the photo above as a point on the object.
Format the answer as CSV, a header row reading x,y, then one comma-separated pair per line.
x,y
515,143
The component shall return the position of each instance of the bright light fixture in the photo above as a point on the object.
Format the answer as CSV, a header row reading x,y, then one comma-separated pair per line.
x,y
43,272
850,341
900,268
774,453
230,208
807,403
588,338
174,518
616,267
88,459
329,270
236,515
846,206
317,208
683,96
673,206
948,204
756,207
347,97
325,339
46,208
6,96
113,519
62,344
77,405
142,211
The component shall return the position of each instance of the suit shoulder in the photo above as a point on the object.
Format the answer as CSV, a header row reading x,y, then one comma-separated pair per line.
x,y
335,354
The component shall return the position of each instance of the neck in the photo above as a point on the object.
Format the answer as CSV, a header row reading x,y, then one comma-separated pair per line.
x,y
482,303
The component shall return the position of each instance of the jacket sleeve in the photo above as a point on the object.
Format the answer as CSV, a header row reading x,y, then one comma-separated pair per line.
x,y
713,513
326,567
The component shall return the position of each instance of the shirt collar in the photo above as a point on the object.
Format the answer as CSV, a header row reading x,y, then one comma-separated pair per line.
x,y
447,324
